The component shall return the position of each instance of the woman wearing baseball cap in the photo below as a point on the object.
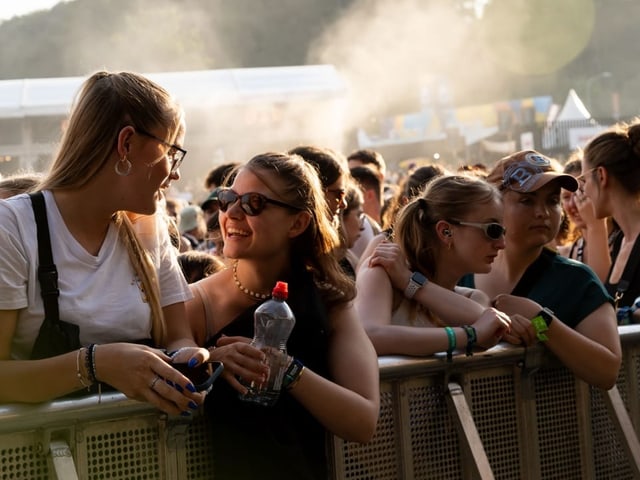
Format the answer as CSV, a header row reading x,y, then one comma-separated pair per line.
x,y
550,298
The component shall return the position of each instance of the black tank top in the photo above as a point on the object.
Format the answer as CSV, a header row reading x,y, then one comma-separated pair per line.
x,y
283,441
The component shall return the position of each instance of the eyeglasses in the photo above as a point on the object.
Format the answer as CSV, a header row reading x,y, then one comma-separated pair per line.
x,y
175,153
252,203
582,179
492,230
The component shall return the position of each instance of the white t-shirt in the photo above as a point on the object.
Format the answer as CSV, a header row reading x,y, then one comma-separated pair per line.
x,y
99,293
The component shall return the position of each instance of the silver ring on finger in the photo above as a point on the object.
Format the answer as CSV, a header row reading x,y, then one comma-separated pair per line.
x,y
154,381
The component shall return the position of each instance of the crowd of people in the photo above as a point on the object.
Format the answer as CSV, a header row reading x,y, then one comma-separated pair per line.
x,y
441,261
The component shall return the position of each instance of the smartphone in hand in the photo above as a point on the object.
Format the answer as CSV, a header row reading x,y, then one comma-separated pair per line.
x,y
202,376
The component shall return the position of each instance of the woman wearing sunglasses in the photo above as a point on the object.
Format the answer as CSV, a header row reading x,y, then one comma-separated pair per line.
x,y
550,298
118,277
275,227
451,229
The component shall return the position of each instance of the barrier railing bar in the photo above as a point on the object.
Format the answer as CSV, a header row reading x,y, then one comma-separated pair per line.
x,y
62,460
469,436
624,427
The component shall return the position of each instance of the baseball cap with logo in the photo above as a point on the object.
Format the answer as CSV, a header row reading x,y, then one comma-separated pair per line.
x,y
527,171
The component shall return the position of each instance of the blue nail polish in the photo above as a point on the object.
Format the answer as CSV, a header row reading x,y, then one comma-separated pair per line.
x,y
193,405
170,383
193,362
185,414
178,388
191,388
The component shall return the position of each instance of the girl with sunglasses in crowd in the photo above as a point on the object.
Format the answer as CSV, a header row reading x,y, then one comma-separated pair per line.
x,y
609,179
276,226
452,228
118,283
551,299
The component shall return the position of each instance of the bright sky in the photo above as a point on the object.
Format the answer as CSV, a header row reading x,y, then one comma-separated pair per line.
x,y
11,8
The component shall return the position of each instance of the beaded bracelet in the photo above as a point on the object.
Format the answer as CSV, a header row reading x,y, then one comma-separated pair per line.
x,y
79,372
472,338
452,342
90,361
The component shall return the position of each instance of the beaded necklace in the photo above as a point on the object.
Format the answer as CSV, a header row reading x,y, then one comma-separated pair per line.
x,y
259,296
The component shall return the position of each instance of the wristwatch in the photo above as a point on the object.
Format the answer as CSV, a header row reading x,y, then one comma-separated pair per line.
x,y
541,323
416,282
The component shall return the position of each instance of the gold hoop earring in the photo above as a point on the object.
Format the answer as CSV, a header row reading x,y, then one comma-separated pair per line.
x,y
124,169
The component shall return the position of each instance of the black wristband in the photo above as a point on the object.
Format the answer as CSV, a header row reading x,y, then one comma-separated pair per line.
x,y
90,361
292,374
472,338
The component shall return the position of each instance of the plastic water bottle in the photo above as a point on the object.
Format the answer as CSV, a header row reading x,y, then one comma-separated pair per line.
x,y
273,323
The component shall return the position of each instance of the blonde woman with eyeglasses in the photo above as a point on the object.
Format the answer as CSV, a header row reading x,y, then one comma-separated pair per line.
x,y
118,278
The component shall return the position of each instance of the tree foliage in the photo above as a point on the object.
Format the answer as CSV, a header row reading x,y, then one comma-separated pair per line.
x,y
518,48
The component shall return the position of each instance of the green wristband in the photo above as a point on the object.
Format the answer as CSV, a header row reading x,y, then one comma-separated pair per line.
x,y
452,342
540,327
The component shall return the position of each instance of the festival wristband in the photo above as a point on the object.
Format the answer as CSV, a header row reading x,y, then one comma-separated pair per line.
x,y
292,374
451,336
541,323
472,338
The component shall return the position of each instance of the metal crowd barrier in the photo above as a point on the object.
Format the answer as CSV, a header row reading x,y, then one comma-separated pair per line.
x,y
508,413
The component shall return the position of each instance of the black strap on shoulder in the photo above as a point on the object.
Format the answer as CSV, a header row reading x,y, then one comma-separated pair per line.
x,y
47,272
629,269
533,273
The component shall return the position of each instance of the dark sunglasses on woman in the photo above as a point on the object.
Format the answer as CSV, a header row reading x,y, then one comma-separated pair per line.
x,y
251,203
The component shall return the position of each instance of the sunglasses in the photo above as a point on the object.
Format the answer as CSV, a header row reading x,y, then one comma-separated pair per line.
x,y
492,230
252,203
175,153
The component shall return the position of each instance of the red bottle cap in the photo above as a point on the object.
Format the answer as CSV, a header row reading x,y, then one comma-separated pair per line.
x,y
281,290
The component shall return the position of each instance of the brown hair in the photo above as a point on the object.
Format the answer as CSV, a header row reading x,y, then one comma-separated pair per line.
x,y
618,151
410,187
297,183
19,183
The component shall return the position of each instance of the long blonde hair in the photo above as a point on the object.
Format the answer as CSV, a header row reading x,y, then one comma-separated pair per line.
x,y
106,103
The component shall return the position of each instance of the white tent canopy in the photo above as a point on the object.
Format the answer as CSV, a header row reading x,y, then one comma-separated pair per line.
x,y
573,109
572,127
53,96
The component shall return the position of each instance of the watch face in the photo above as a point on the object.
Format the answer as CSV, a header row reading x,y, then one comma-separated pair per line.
x,y
418,278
